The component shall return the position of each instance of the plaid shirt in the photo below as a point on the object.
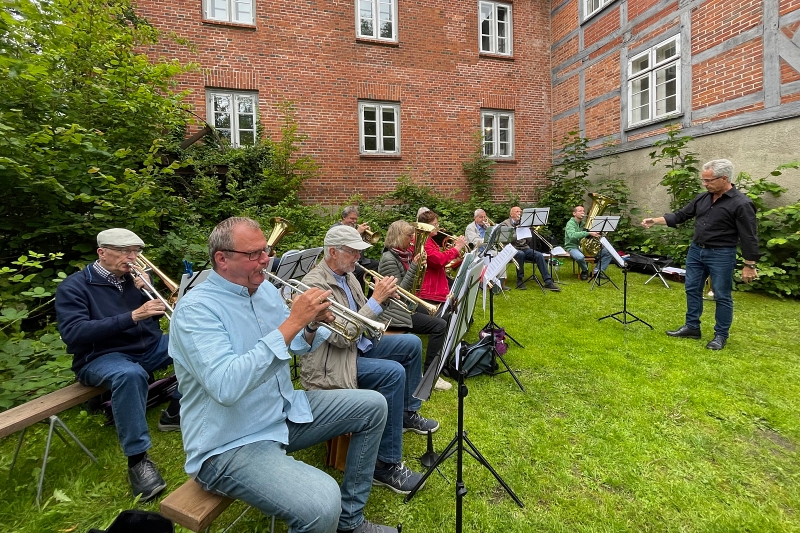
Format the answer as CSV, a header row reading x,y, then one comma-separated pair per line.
x,y
108,276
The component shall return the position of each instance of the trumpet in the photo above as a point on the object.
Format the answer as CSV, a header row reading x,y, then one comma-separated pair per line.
x,y
149,290
413,301
349,324
371,237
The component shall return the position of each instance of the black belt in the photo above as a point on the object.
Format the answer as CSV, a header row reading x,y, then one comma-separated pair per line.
x,y
709,247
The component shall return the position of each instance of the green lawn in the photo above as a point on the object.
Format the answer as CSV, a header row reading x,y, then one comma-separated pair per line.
x,y
620,429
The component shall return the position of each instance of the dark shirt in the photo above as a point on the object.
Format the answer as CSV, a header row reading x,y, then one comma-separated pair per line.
x,y
519,244
722,224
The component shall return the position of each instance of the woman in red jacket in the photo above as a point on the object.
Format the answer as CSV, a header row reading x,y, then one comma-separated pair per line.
x,y
435,286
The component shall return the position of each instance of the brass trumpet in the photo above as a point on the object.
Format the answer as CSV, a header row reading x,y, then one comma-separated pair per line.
x,y
280,227
413,301
349,324
372,237
148,289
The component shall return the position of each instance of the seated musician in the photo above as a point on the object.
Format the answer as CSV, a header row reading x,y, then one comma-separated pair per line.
x,y
526,253
476,235
230,339
435,285
397,261
573,233
350,218
111,329
392,366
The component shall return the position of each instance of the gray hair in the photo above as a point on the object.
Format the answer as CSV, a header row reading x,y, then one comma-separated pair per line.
x,y
395,233
720,168
221,237
327,251
348,210
478,212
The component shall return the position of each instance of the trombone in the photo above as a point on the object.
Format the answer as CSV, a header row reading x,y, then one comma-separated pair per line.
x,y
412,301
346,318
149,290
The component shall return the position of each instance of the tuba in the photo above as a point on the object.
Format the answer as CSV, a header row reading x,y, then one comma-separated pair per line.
x,y
280,227
590,246
421,233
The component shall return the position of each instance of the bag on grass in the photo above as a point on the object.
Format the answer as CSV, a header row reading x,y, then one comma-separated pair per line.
x,y
477,361
136,521
499,339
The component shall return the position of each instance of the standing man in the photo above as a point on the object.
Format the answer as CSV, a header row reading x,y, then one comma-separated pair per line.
x,y
231,337
111,329
392,366
475,233
724,218
573,233
525,252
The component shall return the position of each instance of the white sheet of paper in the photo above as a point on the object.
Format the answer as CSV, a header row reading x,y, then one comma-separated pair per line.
x,y
499,262
524,233
558,250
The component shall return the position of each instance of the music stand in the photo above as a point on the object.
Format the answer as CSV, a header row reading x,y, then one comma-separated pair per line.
x,y
296,264
624,266
603,225
531,217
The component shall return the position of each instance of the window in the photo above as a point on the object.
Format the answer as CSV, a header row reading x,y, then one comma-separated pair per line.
x,y
233,114
376,19
495,28
590,7
379,128
654,83
498,133
240,11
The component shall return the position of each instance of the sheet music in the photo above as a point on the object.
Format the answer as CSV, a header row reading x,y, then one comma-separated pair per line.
x,y
499,262
558,250
610,249
524,232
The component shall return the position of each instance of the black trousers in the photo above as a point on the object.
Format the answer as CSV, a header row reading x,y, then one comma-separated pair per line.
x,y
436,329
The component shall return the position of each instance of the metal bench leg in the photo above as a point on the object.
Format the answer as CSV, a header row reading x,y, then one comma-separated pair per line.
x,y
53,421
16,452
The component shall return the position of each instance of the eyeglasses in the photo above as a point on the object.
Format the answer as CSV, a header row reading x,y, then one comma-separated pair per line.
x,y
709,180
349,250
252,256
125,251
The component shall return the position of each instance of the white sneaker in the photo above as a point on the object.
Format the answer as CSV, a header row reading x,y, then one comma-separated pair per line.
x,y
442,385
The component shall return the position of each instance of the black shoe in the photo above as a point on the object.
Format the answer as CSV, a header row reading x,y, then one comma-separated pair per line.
x,y
521,287
145,480
685,332
550,286
169,423
584,275
717,343
368,527
413,421
397,477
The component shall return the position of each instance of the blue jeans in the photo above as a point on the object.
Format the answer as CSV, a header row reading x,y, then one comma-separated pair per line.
x,y
394,368
306,498
719,263
529,254
126,377
604,259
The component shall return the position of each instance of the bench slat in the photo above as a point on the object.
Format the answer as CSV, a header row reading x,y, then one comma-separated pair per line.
x,y
39,409
192,507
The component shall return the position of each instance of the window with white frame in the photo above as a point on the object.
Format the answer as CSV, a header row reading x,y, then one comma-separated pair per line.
x,y
377,19
498,133
654,83
379,127
233,114
590,7
239,11
495,28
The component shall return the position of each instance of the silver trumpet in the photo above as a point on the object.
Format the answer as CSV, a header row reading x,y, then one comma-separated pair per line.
x,y
151,291
412,302
349,324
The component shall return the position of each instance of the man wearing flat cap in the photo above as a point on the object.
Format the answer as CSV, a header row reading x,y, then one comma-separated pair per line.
x,y
392,366
111,329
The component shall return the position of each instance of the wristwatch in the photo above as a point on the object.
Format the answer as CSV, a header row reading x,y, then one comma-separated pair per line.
x,y
310,329
750,265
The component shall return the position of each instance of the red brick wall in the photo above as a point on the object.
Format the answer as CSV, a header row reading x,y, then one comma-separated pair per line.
x,y
714,21
602,119
600,25
602,77
737,72
307,52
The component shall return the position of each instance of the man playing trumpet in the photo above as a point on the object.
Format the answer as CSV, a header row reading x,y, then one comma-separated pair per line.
x,y
475,234
111,328
392,366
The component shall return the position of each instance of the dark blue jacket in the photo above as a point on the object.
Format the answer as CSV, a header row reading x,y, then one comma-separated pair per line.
x,y
94,318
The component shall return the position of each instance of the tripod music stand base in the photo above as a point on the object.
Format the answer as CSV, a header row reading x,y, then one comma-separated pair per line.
x,y
624,320
513,374
602,279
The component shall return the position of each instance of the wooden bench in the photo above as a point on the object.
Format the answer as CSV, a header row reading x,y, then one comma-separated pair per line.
x,y
196,509
46,408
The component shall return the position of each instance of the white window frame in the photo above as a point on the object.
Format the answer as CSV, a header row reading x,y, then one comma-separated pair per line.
x,y
376,11
230,11
235,128
380,133
492,135
494,26
588,12
651,74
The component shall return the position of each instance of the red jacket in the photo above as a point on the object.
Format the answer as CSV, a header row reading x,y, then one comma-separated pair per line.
x,y
434,285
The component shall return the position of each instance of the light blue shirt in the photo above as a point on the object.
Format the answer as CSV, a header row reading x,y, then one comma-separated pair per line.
x,y
232,366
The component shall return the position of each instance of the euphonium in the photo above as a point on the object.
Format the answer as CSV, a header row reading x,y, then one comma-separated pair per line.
x,y
280,227
421,233
590,246
413,301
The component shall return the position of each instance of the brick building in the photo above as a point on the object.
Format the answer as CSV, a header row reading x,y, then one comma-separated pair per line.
x,y
391,87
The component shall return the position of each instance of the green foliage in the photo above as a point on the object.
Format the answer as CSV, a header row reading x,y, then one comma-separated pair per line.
x,y
479,170
682,179
568,179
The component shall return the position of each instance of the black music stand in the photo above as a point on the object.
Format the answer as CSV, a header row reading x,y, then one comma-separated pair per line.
x,y
532,216
624,266
461,442
603,225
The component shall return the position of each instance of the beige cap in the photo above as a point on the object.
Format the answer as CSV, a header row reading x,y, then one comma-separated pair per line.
x,y
345,236
118,237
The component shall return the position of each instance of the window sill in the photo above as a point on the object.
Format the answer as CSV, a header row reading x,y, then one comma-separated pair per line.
x,y
488,55
367,40
380,156
503,159
653,122
236,25
597,13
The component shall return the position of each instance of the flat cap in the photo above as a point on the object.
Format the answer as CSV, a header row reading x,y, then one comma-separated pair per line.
x,y
118,237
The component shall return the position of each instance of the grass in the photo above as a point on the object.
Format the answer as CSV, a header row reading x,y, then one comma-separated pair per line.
x,y
620,429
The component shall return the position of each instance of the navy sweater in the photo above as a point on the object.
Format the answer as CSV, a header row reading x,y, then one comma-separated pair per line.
x,y
94,318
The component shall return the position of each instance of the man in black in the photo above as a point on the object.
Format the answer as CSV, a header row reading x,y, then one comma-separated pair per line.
x,y
724,218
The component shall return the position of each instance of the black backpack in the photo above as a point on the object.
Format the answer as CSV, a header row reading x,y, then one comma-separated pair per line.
x,y
478,359
136,521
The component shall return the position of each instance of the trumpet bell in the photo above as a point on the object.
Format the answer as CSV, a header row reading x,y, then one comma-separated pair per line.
x,y
280,227
372,237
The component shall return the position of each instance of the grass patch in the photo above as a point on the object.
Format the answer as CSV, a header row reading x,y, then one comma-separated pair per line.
x,y
621,429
